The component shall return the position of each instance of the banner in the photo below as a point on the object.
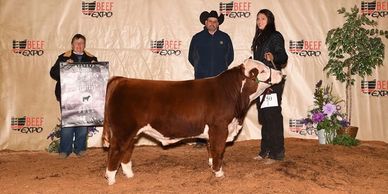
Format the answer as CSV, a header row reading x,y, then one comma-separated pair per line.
x,y
83,87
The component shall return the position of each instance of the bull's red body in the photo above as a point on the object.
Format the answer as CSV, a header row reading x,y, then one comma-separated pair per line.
x,y
169,111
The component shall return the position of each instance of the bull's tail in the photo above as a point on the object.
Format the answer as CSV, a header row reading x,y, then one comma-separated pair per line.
x,y
107,132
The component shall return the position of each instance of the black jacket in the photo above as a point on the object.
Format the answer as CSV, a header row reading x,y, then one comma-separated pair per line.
x,y
210,54
54,72
275,45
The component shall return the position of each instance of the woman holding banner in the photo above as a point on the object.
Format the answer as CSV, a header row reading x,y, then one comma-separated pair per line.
x,y
79,134
268,47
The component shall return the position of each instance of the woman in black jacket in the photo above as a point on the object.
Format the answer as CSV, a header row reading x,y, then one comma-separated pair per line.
x,y
268,47
79,133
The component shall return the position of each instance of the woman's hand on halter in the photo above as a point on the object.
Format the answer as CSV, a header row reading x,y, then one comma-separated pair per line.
x,y
268,56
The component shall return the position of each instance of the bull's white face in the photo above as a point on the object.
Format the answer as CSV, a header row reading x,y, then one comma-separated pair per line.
x,y
264,72
265,76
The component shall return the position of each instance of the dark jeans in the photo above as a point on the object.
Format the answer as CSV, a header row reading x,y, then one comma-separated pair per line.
x,y
272,132
66,142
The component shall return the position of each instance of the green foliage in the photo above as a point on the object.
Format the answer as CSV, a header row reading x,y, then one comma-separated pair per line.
x,y
330,125
345,140
323,95
53,146
54,136
355,48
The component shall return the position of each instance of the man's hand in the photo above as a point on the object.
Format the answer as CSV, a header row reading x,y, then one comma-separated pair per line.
x,y
69,61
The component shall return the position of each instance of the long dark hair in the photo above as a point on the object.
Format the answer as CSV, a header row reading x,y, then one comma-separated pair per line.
x,y
262,35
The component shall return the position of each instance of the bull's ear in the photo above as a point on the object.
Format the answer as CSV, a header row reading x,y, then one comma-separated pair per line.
x,y
253,73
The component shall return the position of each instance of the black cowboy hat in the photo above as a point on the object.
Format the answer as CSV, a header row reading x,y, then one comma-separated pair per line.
x,y
204,15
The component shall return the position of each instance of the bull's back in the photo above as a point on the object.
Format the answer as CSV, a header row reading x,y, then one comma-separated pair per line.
x,y
149,95
181,105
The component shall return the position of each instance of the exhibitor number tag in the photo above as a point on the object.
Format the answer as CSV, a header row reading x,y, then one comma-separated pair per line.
x,y
271,100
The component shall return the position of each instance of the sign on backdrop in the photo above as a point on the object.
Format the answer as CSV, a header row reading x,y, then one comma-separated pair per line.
x,y
83,87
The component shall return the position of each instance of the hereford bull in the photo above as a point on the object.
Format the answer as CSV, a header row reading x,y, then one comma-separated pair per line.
x,y
170,111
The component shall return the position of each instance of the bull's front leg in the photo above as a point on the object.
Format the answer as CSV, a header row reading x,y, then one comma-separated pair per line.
x,y
126,163
217,141
115,155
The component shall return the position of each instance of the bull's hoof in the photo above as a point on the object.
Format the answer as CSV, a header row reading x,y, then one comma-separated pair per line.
x,y
110,176
129,175
127,169
219,174
110,180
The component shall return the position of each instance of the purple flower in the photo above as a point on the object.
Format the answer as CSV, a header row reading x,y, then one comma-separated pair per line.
x,y
329,109
307,121
318,117
92,129
344,123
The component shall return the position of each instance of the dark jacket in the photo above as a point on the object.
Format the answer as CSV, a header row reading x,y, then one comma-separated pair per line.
x,y
54,72
275,45
210,54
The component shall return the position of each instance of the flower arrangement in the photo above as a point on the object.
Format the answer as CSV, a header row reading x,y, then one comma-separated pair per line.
x,y
326,113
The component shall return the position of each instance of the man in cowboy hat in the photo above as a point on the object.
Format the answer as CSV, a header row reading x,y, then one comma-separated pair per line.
x,y
211,50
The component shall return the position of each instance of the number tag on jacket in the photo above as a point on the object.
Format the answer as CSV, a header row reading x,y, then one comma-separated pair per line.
x,y
271,100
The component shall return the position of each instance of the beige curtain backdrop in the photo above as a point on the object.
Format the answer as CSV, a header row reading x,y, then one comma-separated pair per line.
x,y
123,36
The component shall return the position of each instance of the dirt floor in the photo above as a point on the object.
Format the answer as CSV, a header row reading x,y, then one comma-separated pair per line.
x,y
308,168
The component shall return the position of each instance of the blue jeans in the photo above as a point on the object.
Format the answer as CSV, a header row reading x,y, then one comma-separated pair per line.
x,y
66,141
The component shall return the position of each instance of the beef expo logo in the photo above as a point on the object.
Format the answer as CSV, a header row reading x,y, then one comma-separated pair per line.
x,y
236,9
27,124
375,8
98,9
375,88
28,47
306,48
298,126
166,47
